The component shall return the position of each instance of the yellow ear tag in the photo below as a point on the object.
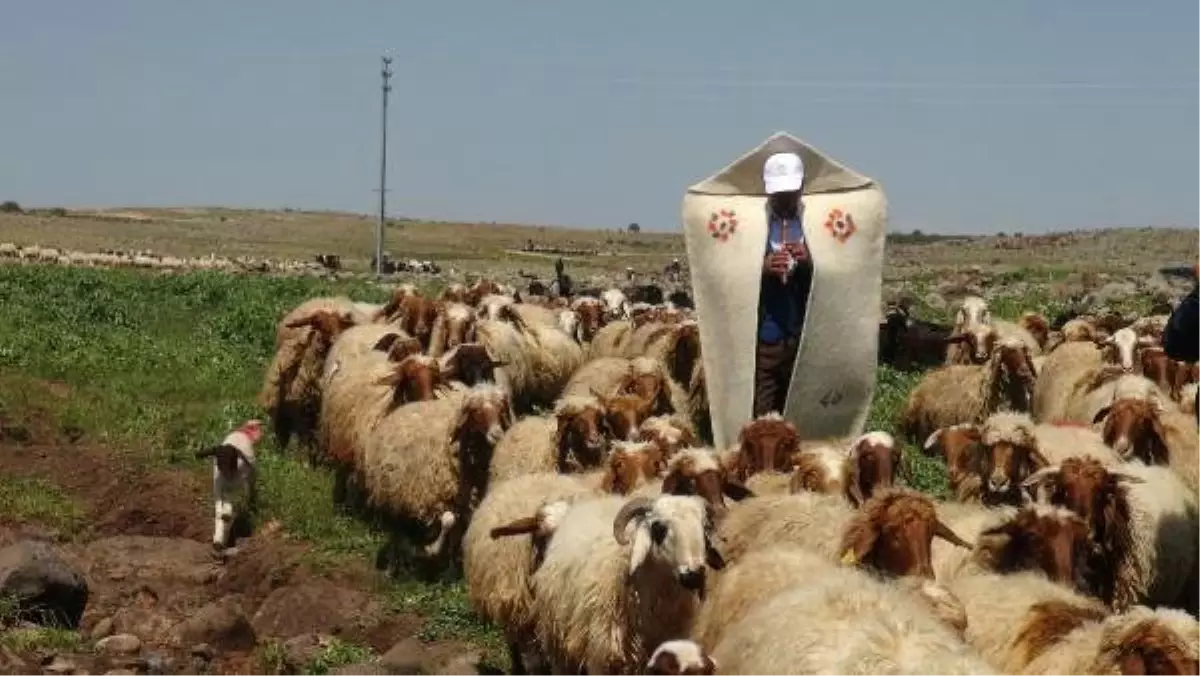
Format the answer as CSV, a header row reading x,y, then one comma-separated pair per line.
x,y
849,559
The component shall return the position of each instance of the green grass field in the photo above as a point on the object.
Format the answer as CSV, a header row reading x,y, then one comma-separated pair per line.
x,y
158,366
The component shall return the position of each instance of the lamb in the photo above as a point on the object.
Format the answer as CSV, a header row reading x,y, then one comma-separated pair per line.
x,y
679,657
890,533
957,445
426,463
573,438
959,394
1153,433
1035,537
233,471
291,391
847,623
619,578
1012,447
1143,521
497,566
455,324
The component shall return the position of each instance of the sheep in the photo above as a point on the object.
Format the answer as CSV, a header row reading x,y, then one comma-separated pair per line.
x,y
769,572
470,364
538,360
497,567
675,345
457,293
455,324
1037,327
890,533
567,321
632,467
854,469
1012,447
819,468
1006,330
1143,521
616,305
905,341
413,313
1189,399
1105,385
1080,330
618,578
679,657
533,315
573,438
668,432
1122,347
364,339
956,445
1061,374
699,471
1141,641
612,340
964,394
233,470
1052,540
339,306
592,318
1013,618
765,444
1149,431
972,318
845,623
357,396
479,290
489,306
425,464
291,390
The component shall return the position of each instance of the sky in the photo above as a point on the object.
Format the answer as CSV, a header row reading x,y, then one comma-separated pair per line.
x,y
975,117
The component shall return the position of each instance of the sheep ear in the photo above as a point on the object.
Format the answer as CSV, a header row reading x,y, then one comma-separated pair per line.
x,y
1037,459
943,531
385,343
1101,415
641,548
735,490
931,441
857,550
713,557
1038,479
523,526
1124,477
670,483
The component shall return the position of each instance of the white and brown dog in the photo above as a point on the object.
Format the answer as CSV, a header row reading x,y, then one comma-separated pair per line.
x,y
233,470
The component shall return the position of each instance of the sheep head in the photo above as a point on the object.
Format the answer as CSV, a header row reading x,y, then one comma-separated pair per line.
x,y
397,346
591,315
1037,326
1122,347
1098,495
893,533
415,378
683,351
1014,368
471,364
874,460
624,414
698,471
580,432
675,532
647,379
630,465
1134,429
1145,641
485,415
766,444
679,658
459,325
327,324
957,445
1008,453
454,293
670,437
1052,540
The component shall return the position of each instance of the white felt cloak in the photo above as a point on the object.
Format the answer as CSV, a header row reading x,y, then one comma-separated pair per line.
x,y
725,229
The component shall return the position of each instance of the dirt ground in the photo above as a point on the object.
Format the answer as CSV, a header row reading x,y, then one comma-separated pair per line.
x,y
151,571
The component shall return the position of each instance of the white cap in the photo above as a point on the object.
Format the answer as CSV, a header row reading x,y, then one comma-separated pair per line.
x,y
783,172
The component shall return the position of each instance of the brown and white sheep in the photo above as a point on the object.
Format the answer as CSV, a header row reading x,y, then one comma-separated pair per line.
x,y
959,394
766,444
1123,347
455,325
619,578
426,463
470,364
973,323
539,360
1144,525
890,533
958,446
590,312
573,438
1149,431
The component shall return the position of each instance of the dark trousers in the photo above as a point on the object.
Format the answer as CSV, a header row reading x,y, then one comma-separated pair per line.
x,y
772,375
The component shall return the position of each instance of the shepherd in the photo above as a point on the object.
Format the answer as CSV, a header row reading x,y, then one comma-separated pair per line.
x,y
786,250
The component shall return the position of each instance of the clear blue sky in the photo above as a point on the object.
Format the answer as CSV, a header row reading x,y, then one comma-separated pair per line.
x,y
975,116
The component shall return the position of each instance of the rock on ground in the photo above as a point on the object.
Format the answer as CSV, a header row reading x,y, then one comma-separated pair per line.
x,y
46,588
317,608
119,644
221,623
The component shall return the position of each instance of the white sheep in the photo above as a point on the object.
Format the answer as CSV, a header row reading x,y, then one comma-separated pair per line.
x,y
619,578
838,620
233,471
616,305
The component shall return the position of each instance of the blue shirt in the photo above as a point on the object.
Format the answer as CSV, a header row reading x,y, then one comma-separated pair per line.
x,y
782,305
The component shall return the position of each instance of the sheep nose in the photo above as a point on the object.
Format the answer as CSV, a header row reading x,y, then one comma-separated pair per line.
x,y
998,484
692,580
494,434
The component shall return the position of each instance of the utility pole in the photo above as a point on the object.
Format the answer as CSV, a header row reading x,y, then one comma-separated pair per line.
x,y
387,74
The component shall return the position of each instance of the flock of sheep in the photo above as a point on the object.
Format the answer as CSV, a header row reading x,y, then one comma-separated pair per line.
x,y
560,452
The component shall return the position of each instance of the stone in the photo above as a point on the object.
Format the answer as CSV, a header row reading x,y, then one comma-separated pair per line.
x,y
300,651
102,629
46,588
314,608
153,623
221,624
59,665
467,663
119,644
406,657
361,669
